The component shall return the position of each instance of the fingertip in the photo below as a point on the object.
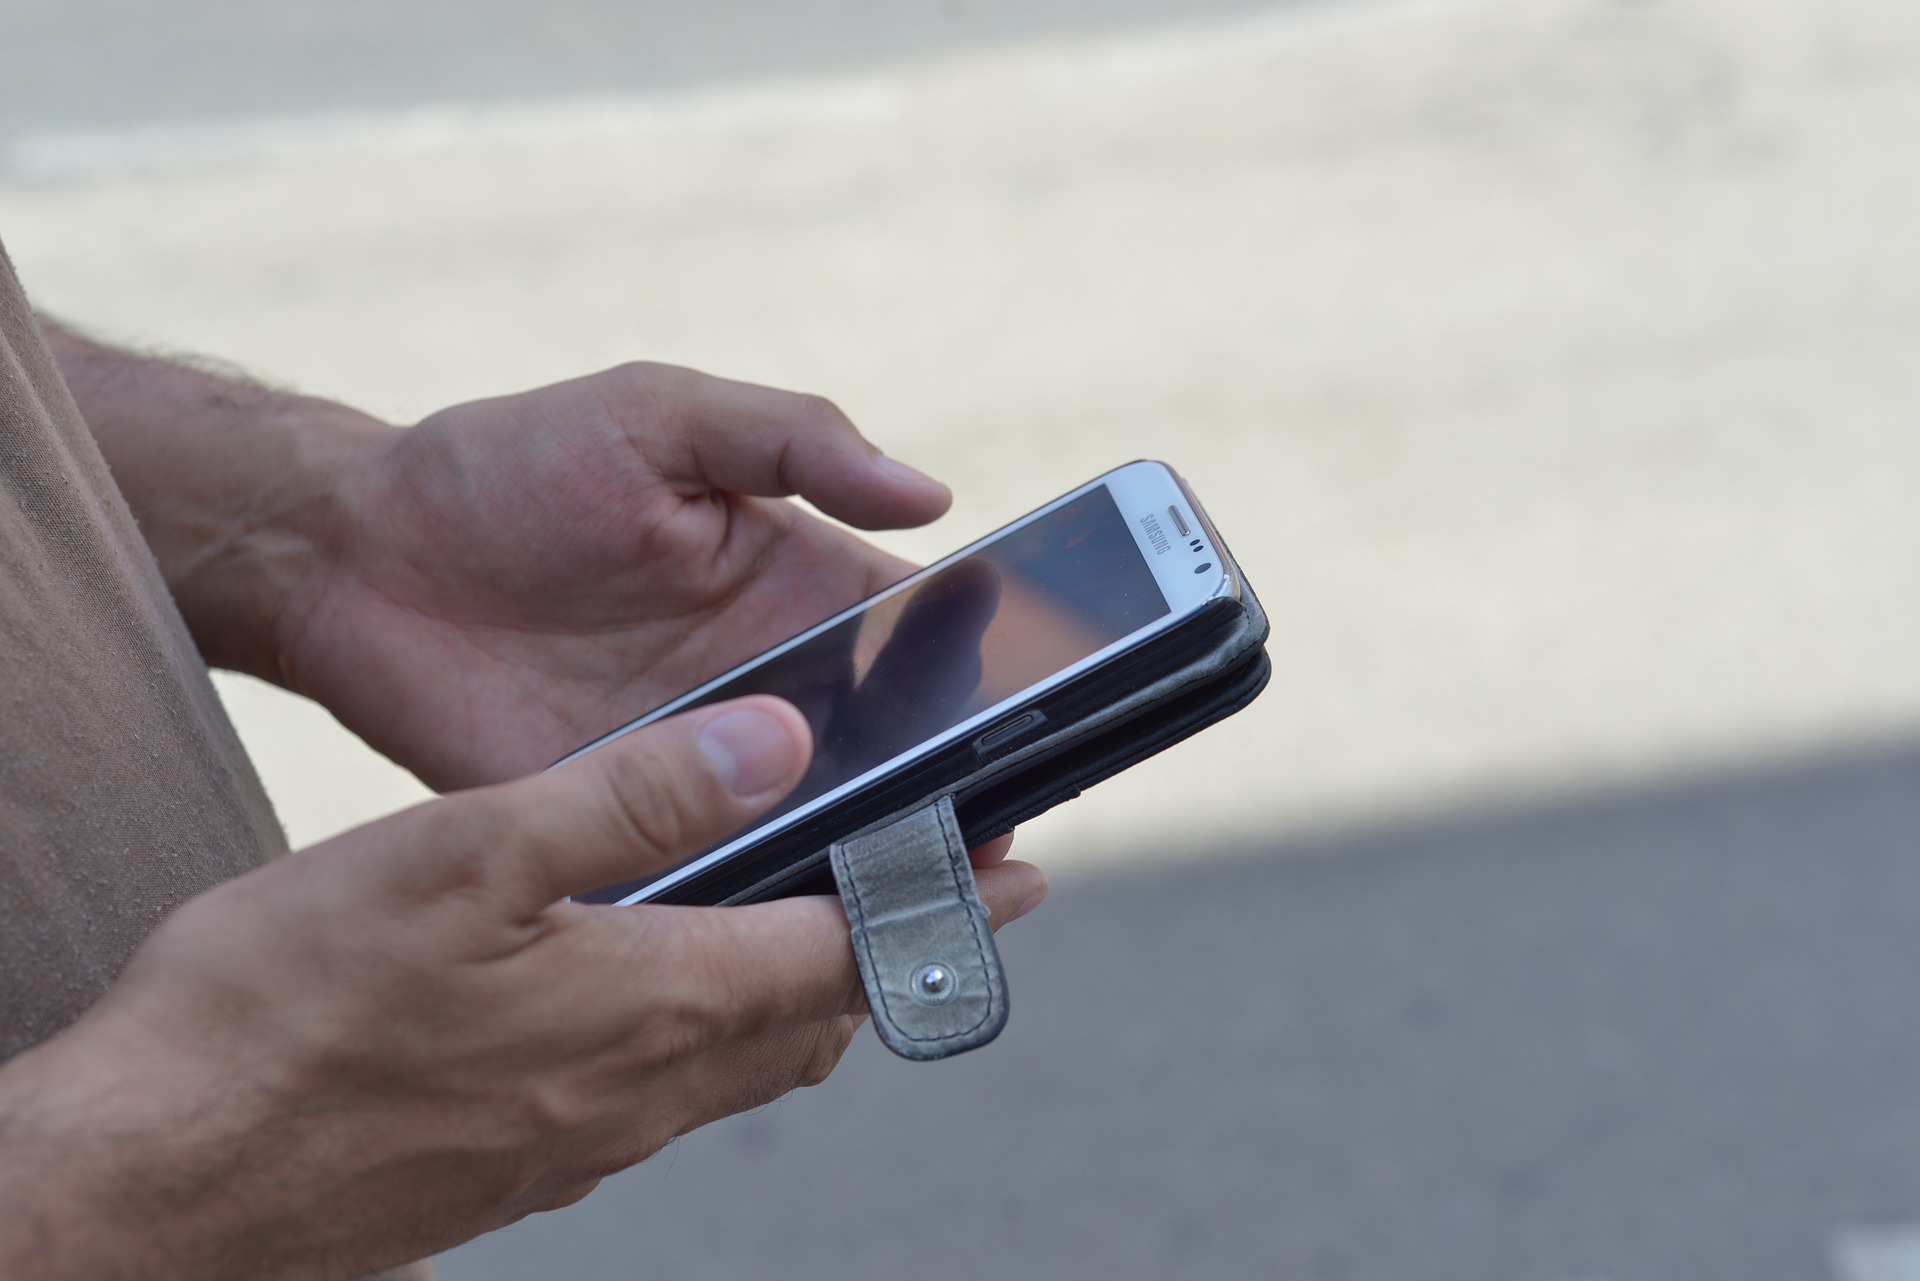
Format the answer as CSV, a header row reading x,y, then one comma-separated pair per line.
x,y
906,497
911,478
1034,899
993,852
1011,890
756,745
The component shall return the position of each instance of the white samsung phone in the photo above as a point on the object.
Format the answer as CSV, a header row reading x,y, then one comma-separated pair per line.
x,y
1055,651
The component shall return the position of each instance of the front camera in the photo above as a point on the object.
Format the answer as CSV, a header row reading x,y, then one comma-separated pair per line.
x,y
1203,567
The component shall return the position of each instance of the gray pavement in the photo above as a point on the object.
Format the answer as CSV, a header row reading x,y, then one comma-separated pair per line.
x,y
1658,1035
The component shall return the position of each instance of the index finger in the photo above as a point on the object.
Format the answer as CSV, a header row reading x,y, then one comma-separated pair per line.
x,y
775,965
748,439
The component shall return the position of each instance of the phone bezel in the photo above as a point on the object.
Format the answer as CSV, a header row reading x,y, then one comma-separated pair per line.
x,y
1142,491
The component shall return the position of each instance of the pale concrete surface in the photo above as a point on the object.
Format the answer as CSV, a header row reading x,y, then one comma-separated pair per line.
x,y
1548,362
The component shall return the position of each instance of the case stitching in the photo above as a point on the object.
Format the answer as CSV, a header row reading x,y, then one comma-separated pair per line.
x,y
949,841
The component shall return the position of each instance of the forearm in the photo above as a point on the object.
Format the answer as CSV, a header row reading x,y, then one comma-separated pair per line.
x,y
232,483
92,1183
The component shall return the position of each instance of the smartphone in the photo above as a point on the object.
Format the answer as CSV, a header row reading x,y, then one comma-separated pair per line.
x,y
1056,651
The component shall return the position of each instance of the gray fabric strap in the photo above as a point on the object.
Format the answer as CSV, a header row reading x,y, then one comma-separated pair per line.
x,y
920,935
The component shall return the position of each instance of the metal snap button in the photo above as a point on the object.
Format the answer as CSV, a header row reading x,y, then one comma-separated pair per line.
x,y
934,983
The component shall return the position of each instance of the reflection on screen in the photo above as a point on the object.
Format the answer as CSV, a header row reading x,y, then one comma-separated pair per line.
x,y
982,630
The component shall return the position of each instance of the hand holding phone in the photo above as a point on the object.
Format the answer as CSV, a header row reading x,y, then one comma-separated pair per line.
x,y
430,1045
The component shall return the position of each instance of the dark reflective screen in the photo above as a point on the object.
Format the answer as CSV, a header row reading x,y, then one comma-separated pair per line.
x,y
982,630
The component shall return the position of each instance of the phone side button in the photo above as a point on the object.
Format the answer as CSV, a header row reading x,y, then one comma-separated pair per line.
x,y
1005,732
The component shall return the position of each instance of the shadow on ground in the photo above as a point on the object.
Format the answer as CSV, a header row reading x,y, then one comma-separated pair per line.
x,y
1670,1035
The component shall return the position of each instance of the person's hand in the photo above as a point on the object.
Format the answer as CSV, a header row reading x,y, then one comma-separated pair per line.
x,y
512,577
377,1047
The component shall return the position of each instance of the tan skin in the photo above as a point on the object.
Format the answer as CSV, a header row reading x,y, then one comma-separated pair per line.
x,y
479,594
385,1044
382,1045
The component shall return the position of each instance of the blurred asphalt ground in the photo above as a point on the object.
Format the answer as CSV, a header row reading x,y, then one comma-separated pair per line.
x,y
1549,363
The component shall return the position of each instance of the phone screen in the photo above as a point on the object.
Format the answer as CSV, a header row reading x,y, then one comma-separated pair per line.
x,y
913,665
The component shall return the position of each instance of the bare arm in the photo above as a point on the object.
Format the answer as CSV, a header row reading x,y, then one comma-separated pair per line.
x,y
234,483
478,594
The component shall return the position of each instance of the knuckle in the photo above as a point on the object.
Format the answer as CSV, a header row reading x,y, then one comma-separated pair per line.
x,y
773,1067
641,375
639,1143
816,413
676,1024
570,1193
649,390
674,1033
462,833
554,1109
455,849
699,1006
655,802
830,1043
725,1001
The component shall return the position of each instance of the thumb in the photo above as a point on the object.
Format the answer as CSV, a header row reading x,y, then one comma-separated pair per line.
x,y
642,803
